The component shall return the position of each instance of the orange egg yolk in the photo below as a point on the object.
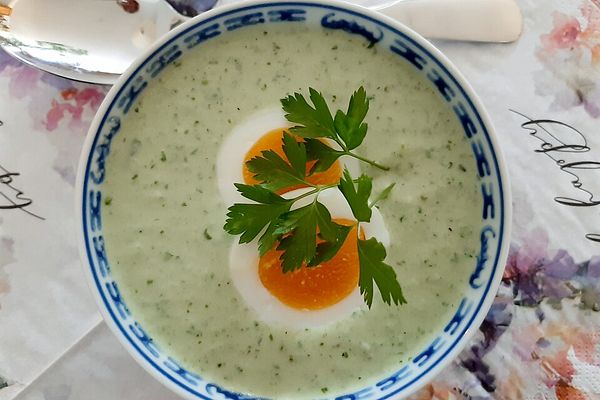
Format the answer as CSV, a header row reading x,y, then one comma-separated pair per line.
x,y
273,141
314,288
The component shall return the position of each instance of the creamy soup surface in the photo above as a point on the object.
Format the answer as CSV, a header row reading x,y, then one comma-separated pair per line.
x,y
163,216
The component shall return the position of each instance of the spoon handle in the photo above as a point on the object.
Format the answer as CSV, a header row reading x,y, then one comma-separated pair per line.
x,y
471,20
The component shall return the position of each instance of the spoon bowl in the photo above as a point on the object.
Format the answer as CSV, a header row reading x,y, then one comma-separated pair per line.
x,y
86,40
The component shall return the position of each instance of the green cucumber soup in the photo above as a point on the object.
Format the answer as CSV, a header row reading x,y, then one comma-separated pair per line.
x,y
163,215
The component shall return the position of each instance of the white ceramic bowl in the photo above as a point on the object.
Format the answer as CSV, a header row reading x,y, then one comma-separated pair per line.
x,y
389,36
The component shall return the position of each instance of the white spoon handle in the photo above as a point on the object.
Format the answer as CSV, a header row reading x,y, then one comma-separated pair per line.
x,y
471,20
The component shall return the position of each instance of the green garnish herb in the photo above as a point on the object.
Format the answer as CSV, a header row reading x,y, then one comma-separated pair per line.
x,y
346,129
295,231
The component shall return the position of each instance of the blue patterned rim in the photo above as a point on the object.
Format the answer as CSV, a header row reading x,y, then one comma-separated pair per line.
x,y
379,31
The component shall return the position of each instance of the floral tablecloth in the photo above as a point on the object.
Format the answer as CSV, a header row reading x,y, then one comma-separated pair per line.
x,y
541,339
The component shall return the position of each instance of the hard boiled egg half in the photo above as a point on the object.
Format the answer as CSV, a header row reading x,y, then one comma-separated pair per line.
x,y
308,297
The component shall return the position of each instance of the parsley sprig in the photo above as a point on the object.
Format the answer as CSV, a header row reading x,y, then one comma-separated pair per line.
x,y
307,235
347,130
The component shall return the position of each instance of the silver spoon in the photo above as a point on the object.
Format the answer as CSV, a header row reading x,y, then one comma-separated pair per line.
x,y
96,40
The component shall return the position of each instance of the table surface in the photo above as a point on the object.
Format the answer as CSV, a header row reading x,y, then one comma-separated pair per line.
x,y
541,338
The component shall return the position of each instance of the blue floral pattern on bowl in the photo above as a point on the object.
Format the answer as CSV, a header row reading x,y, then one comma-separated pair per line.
x,y
378,31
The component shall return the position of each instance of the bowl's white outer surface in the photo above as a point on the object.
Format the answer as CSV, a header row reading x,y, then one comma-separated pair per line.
x,y
428,361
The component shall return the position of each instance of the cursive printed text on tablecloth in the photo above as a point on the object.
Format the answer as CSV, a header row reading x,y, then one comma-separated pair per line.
x,y
12,198
559,141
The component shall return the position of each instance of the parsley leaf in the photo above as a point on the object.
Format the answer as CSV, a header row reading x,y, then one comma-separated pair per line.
x,y
274,172
299,245
358,198
385,193
350,126
326,250
371,254
347,129
259,194
299,231
296,153
325,155
248,220
314,122
269,238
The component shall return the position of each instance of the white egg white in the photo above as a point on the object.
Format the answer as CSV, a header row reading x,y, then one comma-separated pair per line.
x,y
233,150
243,263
